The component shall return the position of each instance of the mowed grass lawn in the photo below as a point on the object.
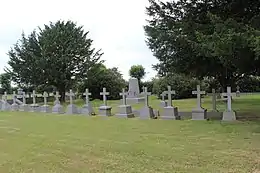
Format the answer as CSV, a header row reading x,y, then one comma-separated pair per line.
x,y
43,143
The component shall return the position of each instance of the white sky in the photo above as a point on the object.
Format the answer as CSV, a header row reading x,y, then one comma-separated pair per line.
x,y
116,26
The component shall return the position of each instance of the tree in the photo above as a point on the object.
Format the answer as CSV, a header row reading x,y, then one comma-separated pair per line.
x,y
100,76
182,84
137,71
212,38
5,82
59,55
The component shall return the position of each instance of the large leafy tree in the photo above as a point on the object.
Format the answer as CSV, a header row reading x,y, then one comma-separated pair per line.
x,y
213,38
5,82
100,76
59,54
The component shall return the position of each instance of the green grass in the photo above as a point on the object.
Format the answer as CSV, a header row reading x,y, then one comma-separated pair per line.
x,y
43,143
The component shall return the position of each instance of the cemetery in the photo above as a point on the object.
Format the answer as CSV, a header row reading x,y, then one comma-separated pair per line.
x,y
164,110
163,87
81,126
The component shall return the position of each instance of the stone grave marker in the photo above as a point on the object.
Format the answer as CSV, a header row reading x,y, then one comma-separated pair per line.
x,y
24,107
214,100
214,114
45,108
19,93
134,92
57,108
170,112
218,91
125,110
229,114
71,108
199,113
19,96
34,107
5,106
105,110
163,103
143,88
14,106
147,111
87,108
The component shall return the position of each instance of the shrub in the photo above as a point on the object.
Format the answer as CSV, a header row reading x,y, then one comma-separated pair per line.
x,y
182,84
100,77
148,84
249,84
211,83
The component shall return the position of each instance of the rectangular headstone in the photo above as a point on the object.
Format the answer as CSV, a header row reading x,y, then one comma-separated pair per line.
x,y
134,96
134,90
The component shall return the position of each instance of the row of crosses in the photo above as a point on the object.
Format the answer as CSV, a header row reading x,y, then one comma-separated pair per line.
x,y
124,94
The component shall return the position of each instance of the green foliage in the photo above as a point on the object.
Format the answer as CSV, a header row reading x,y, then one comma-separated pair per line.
x,y
148,84
99,77
59,55
137,71
5,82
182,84
249,84
212,83
217,39
232,43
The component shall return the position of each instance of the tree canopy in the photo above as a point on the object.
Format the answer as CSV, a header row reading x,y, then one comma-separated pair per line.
x,y
5,82
137,71
59,54
99,77
208,38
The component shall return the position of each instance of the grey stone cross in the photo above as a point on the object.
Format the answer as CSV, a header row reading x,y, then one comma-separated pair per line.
x,y
228,95
87,94
146,96
5,96
34,97
57,96
143,88
45,96
163,95
214,98
104,94
71,95
24,98
123,94
169,93
198,93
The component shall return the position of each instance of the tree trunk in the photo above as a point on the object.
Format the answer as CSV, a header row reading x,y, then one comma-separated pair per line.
x,y
62,92
139,84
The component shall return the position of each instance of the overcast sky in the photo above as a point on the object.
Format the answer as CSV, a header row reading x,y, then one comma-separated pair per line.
x,y
116,26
